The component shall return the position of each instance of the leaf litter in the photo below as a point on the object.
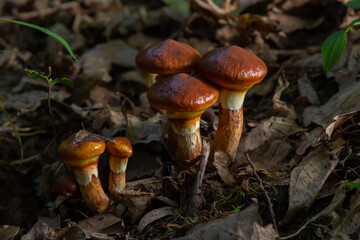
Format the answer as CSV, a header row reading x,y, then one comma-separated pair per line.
x,y
305,141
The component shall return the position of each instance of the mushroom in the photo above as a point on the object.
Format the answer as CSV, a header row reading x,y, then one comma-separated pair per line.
x,y
235,70
119,150
65,184
166,57
184,98
81,151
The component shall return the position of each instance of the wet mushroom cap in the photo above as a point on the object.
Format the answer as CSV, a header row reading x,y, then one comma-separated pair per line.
x,y
167,57
182,93
74,149
231,66
119,147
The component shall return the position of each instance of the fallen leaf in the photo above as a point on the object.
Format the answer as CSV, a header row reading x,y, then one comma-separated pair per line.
x,y
237,226
138,195
263,233
333,113
97,61
139,131
8,232
42,228
154,215
337,201
289,23
30,100
306,89
99,224
346,69
308,177
221,161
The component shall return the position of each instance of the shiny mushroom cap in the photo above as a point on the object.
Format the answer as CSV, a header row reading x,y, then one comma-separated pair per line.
x,y
119,147
80,146
182,93
232,66
167,57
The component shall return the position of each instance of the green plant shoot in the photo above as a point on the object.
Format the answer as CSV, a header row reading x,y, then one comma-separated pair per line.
x,y
333,47
51,82
352,184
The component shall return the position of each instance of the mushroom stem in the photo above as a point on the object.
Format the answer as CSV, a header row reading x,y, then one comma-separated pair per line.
x,y
230,124
184,141
90,186
117,179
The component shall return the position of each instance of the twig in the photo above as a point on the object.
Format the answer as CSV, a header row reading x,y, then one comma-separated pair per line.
x,y
210,6
195,200
43,12
266,194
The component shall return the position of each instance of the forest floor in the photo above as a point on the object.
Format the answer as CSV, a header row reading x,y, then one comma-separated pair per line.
x,y
301,137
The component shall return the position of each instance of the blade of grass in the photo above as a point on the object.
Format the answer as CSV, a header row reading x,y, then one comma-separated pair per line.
x,y
46,31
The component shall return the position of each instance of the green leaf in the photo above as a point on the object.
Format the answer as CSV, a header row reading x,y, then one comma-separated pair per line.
x,y
63,80
355,4
353,23
46,31
352,184
333,48
34,74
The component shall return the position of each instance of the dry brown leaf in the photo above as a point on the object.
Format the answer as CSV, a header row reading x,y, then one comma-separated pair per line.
x,y
221,161
138,195
333,113
97,61
30,100
346,69
139,131
42,228
154,215
237,226
308,177
100,223
306,89
263,233
289,23
8,232
346,223
267,143
336,202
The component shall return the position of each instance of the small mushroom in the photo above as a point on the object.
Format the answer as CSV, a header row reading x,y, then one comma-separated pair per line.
x,y
235,70
119,150
81,151
166,57
184,98
64,185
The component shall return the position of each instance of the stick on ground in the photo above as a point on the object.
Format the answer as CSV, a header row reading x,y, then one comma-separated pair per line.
x,y
195,200
266,194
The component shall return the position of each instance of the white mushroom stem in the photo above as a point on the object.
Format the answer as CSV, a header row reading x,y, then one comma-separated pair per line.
x,y
184,140
117,178
86,174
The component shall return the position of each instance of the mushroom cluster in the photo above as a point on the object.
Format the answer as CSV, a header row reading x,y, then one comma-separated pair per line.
x,y
81,151
233,70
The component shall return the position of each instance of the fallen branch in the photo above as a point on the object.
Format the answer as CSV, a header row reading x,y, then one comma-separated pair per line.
x,y
266,194
196,201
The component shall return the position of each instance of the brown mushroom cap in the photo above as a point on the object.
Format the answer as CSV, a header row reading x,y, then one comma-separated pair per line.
x,y
80,146
182,93
167,57
231,66
120,147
